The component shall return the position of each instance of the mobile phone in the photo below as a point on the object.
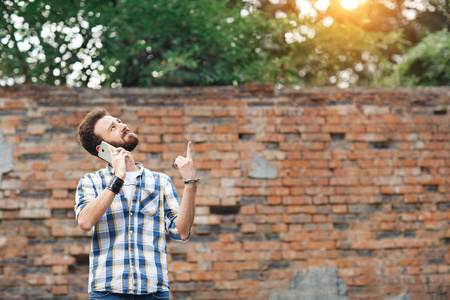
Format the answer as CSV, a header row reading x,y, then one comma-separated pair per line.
x,y
103,152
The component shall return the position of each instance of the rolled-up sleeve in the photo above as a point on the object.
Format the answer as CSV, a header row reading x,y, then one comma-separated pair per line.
x,y
171,209
85,193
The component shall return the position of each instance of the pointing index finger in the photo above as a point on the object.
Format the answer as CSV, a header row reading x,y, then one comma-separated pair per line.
x,y
189,150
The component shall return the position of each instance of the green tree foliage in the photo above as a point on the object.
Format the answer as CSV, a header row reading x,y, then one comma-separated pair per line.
x,y
201,43
426,64
130,43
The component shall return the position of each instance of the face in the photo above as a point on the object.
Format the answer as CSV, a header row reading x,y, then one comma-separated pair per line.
x,y
116,133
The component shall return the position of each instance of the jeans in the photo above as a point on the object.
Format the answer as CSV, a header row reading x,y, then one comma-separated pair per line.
x,y
114,296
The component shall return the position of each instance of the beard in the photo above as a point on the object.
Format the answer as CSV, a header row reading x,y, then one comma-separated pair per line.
x,y
129,143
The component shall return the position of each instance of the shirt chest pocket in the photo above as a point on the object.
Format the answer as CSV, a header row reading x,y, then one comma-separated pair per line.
x,y
150,202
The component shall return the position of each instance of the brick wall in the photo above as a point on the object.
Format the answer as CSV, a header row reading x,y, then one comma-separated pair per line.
x,y
318,192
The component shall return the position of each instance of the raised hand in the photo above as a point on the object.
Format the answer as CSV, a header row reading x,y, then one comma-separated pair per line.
x,y
185,165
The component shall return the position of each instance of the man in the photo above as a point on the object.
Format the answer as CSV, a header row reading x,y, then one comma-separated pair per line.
x,y
130,208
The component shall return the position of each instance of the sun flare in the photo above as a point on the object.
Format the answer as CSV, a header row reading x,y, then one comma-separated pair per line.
x,y
349,4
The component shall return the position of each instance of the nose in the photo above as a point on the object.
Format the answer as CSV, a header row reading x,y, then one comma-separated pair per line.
x,y
124,126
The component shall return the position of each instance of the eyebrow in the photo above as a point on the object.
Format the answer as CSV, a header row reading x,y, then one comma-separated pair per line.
x,y
112,123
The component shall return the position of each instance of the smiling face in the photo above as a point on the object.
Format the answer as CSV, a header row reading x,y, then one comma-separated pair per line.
x,y
116,133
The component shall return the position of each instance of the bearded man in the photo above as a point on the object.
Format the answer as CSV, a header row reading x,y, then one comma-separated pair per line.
x,y
131,208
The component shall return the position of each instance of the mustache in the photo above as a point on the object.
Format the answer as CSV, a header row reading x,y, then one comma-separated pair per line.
x,y
125,132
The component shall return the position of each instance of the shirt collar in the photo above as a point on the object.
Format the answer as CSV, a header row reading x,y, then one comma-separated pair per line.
x,y
111,172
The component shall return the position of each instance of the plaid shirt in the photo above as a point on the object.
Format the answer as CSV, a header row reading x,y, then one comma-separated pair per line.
x,y
128,249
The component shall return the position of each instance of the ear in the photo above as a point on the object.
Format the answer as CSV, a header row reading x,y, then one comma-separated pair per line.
x,y
97,148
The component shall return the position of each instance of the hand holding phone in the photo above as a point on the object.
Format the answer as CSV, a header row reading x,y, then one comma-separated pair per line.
x,y
103,152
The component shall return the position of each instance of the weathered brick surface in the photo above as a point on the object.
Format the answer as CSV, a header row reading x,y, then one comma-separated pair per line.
x,y
361,185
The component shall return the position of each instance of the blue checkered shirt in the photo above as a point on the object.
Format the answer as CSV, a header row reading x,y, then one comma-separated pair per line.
x,y
128,249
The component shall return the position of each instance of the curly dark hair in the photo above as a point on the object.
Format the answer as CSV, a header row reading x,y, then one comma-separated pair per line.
x,y
88,139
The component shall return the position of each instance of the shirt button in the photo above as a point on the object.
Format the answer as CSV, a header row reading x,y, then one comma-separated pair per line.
x,y
131,231
131,213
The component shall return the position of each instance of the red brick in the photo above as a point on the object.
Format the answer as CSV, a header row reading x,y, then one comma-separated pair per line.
x,y
261,246
151,112
60,193
339,209
182,277
366,137
63,269
279,228
228,247
182,266
363,281
34,213
365,190
60,290
401,189
205,220
297,200
323,137
319,219
206,276
320,190
228,266
58,260
344,181
227,238
204,147
249,228
60,203
296,164
387,226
